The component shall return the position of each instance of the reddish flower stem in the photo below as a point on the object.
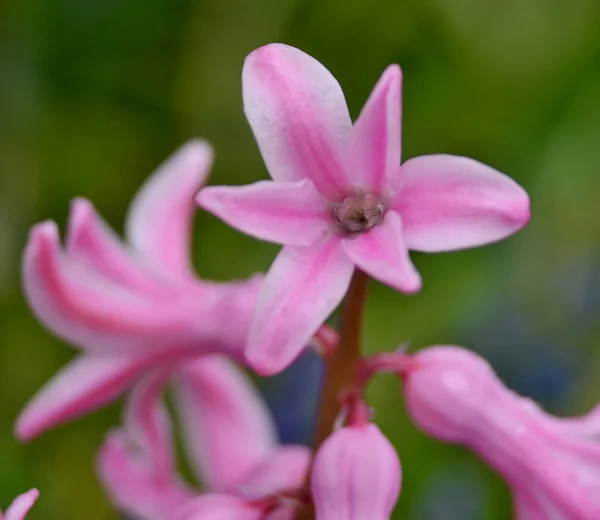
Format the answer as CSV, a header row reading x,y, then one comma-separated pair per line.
x,y
341,365
391,362
358,413
340,368
300,498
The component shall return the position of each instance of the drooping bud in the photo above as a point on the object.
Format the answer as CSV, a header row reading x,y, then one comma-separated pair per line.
x,y
551,464
356,475
448,392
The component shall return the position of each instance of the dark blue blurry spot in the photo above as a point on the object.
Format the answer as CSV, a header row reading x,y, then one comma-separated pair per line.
x,y
292,397
581,288
545,382
455,492
528,362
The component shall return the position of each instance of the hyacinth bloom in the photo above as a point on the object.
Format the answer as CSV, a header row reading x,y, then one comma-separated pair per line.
x,y
129,306
229,438
551,464
340,199
20,506
356,472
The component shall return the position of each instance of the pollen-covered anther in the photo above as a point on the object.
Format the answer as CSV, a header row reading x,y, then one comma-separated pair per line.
x,y
357,214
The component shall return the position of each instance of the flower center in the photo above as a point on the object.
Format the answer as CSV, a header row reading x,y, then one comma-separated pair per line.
x,y
357,214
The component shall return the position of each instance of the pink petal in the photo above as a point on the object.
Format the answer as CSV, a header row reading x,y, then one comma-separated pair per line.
x,y
88,310
302,288
356,475
218,507
528,506
87,383
21,505
137,465
90,240
382,254
160,217
131,484
226,424
299,116
286,213
586,426
375,154
448,202
147,423
285,468
227,315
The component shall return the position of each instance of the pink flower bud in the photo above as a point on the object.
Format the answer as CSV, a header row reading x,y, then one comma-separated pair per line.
x,y
552,464
356,475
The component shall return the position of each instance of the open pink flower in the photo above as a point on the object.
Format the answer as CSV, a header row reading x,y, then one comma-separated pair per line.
x,y
356,474
230,439
21,505
129,306
339,198
552,464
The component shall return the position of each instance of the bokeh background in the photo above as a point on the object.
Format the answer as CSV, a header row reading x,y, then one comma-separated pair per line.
x,y
93,95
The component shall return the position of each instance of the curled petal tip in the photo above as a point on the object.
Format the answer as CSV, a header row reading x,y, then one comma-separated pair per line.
x,y
263,364
522,209
80,217
23,431
42,246
200,153
413,284
21,505
159,220
266,52
81,207
44,233
197,145
195,152
392,73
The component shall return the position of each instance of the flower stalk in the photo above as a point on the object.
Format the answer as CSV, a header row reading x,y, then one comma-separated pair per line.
x,y
340,368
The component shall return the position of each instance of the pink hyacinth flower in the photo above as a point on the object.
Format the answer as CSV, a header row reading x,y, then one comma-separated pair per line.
x,y
356,475
129,306
21,505
228,434
339,198
551,464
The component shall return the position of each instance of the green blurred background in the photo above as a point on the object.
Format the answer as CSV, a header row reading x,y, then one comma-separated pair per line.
x,y
93,95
